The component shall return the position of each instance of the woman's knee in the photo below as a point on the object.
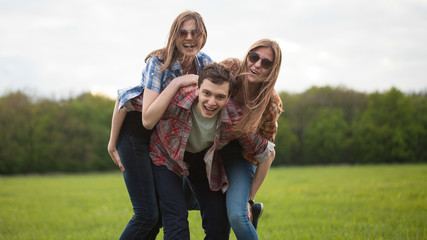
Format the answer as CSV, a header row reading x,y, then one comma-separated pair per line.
x,y
237,218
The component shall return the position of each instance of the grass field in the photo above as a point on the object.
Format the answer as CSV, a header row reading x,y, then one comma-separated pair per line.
x,y
336,202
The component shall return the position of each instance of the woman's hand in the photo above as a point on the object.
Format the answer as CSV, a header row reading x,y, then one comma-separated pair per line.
x,y
187,90
236,120
187,80
249,212
187,83
112,150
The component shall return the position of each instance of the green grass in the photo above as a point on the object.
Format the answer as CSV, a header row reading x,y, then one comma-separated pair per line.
x,y
337,202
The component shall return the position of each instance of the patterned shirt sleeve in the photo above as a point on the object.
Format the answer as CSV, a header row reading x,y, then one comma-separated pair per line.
x,y
156,80
255,148
269,125
152,76
267,132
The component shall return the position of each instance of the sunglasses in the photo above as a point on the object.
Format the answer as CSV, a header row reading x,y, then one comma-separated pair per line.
x,y
254,58
184,33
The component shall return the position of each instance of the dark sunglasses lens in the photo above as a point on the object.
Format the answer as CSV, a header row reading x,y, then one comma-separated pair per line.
x,y
265,63
253,57
184,33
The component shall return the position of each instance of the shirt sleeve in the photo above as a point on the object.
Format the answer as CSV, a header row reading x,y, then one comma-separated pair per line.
x,y
269,126
151,79
261,157
126,94
255,147
152,76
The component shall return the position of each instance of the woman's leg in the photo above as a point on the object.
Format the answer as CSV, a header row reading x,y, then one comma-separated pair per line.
x,y
138,176
239,173
172,203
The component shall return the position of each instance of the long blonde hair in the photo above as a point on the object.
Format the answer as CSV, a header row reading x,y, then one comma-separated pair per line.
x,y
170,53
253,116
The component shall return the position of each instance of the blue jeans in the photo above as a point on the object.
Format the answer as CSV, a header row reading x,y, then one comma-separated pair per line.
x,y
173,203
240,173
138,176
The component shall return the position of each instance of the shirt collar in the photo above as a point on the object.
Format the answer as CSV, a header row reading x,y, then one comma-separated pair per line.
x,y
188,100
176,66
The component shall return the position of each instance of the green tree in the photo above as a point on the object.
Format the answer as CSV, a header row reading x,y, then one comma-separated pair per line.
x,y
15,128
386,130
326,138
286,142
302,109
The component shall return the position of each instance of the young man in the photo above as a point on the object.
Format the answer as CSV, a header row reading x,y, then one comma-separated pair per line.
x,y
185,142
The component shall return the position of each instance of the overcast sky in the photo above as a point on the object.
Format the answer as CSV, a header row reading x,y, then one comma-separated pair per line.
x,y
60,48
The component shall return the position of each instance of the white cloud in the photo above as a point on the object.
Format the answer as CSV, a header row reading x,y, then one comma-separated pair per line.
x,y
71,46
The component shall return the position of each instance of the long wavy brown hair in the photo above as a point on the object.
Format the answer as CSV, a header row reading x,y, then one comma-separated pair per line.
x,y
170,53
255,107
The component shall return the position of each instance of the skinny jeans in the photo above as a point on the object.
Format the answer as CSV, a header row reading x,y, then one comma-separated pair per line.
x,y
240,173
173,203
133,149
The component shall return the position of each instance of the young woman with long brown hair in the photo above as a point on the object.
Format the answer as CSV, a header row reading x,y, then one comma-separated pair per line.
x,y
167,69
256,75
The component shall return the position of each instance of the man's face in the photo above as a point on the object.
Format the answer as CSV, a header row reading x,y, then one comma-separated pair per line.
x,y
212,98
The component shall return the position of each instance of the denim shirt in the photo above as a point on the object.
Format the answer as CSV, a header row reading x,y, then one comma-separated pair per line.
x,y
155,79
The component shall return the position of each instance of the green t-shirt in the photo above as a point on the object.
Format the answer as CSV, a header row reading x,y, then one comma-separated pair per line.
x,y
202,132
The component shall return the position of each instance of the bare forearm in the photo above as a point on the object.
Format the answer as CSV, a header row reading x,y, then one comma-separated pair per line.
x,y
260,174
116,123
154,104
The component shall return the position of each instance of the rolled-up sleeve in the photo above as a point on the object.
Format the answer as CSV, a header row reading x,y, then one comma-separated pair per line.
x,y
255,145
266,154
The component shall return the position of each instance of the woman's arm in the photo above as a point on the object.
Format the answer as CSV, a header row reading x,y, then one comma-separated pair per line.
x,y
260,174
155,104
258,179
116,125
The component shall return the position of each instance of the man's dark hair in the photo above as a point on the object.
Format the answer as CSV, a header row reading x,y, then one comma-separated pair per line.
x,y
217,74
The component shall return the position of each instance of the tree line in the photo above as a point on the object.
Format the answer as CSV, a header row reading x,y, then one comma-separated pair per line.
x,y
320,126
337,125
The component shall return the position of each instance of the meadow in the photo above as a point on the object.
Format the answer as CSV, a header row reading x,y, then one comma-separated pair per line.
x,y
332,202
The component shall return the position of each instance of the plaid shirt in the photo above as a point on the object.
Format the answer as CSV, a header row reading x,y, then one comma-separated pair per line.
x,y
169,140
155,79
269,124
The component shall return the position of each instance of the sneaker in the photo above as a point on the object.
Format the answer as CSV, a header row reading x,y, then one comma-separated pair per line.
x,y
256,210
